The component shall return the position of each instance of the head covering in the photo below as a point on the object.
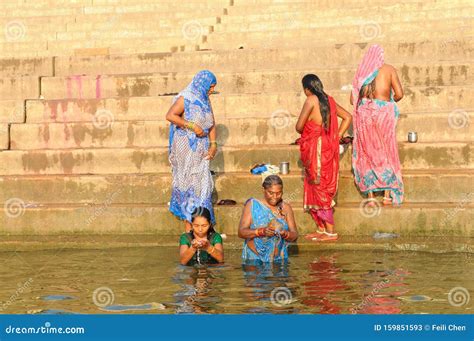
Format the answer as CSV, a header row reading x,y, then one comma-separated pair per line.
x,y
366,72
196,104
197,91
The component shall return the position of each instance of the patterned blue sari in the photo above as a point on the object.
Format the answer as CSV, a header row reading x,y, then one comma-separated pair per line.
x,y
269,249
192,180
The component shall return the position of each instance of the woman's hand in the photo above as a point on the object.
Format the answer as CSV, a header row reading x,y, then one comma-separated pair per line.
x,y
211,152
285,234
198,131
195,244
203,244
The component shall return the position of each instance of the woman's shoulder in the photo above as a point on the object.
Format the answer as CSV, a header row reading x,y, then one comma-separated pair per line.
x,y
216,238
185,239
286,207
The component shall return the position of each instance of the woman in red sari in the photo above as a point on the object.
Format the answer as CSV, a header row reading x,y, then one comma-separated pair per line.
x,y
319,147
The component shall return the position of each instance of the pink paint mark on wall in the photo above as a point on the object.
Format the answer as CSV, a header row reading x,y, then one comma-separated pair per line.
x,y
69,87
53,106
78,79
98,87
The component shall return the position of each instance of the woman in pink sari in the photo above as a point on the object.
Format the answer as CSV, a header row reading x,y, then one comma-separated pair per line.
x,y
319,148
375,161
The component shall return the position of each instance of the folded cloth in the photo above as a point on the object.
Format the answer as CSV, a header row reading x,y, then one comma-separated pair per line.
x,y
258,169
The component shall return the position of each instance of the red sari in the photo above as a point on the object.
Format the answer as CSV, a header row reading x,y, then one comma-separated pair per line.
x,y
319,150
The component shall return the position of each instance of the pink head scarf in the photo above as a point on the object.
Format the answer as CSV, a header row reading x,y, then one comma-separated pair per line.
x,y
372,61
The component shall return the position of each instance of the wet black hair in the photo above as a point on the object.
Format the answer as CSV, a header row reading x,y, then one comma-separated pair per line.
x,y
272,180
269,182
314,84
205,213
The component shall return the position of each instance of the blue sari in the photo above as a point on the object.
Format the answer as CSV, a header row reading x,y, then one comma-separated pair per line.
x,y
269,249
192,184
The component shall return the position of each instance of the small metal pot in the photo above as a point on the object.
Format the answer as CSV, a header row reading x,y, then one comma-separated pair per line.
x,y
412,137
284,167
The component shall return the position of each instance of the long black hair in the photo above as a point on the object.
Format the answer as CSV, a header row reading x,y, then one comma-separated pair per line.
x,y
314,84
205,213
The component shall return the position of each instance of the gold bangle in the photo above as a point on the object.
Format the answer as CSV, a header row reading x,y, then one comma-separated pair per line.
x,y
213,143
189,125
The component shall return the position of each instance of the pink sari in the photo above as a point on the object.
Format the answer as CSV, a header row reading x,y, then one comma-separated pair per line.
x,y
375,159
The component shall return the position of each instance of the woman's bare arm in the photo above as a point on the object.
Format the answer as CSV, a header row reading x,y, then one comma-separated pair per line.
x,y
245,231
293,231
175,116
396,85
346,119
186,253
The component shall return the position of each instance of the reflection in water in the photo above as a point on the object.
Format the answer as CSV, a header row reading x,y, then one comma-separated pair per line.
x,y
311,282
268,283
197,295
325,279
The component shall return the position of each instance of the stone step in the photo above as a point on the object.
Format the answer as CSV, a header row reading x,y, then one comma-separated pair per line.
x,y
20,87
297,18
197,7
191,30
281,106
370,32
20,67
12,111
319,56
442,127
229,159
402,11
254,11
421,219
24,50
411,74
441,186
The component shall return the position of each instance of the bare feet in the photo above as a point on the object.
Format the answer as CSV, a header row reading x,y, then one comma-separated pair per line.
x,y
387,201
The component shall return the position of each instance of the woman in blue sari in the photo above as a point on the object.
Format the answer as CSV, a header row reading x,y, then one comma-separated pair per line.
x,y
267,226
192,145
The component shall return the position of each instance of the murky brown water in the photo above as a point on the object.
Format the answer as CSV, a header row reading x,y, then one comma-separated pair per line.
x,y
141,280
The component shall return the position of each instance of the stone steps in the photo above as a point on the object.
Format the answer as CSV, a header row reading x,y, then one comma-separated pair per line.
x,y
443,127
319,56
437,186
298,19
229,159
421,219
281,106
255,11
383,33
411,74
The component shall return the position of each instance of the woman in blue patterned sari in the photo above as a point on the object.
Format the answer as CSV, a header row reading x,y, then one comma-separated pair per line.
x,y
192,145
269,225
